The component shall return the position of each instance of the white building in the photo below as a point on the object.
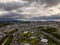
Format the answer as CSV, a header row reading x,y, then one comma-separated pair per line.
x,y
44,42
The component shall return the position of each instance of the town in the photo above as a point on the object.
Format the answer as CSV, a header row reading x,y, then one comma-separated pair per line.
x,y
30,33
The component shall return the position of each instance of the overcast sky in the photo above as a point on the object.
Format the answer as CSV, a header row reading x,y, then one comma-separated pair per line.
x,y
31,10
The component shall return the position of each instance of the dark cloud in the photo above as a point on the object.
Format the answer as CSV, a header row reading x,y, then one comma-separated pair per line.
x,y
50,2
11,16
32,0
8,6
52,17
47,2
14,16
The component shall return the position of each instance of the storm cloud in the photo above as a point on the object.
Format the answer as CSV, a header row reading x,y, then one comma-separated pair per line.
x,y
47,2
50,2
30,10
8,6
52,17
11,16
